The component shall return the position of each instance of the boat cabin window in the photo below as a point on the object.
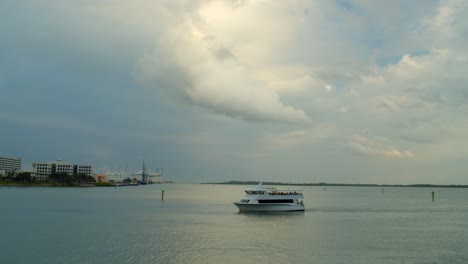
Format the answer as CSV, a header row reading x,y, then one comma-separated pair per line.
x,y
254,192
276,201
244,201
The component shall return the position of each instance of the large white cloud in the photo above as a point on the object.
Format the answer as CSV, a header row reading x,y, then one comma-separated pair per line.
x,y
207,57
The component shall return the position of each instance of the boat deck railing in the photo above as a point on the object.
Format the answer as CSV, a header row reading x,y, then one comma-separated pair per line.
x,y
275,192
285,192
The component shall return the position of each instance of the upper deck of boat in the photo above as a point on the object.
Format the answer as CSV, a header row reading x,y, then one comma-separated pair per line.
x,y
273,192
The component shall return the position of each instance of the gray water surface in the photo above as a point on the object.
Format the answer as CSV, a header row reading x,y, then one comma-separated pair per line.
x,y
199,224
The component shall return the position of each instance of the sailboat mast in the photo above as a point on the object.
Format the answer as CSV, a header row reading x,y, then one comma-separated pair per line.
x,y
143,173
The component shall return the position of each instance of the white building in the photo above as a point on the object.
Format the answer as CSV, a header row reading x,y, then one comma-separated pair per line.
x,y
9,165
42,170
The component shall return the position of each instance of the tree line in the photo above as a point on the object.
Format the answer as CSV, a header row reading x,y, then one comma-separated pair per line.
x,y
66,178
60,178
19,177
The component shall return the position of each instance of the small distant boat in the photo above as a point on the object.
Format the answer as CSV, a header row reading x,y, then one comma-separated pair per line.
x,y
134,183
270,199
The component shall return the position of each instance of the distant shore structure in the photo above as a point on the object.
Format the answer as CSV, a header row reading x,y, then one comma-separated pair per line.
x,y
42,170
9,165
148,176
144,176
101,177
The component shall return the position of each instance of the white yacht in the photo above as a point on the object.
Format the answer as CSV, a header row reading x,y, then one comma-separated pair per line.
x,y
269,199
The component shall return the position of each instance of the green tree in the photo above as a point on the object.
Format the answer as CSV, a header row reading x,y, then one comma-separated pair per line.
x,y
68,179
90,179
82,177
23,177
10,175
58,177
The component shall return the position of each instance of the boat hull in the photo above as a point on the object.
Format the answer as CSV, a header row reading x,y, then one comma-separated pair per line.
x,y
269,207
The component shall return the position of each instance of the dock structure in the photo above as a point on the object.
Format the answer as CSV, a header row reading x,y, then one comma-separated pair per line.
x,y
148,176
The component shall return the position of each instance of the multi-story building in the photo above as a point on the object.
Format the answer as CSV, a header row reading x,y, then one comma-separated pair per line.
x,y
8,165
42,170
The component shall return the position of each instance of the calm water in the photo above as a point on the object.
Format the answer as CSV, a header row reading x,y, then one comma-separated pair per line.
x,y
199,224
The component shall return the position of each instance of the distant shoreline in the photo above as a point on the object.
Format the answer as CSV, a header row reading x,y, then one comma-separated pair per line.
x,y
64,185
52,185
339,184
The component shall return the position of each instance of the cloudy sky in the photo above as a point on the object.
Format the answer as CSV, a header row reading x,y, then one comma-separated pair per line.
x,y
353,91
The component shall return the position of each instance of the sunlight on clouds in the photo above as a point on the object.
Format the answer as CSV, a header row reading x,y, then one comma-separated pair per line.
x,y
197,34
288,79
298,137
394,103
215,77
407,69
444,17
377,147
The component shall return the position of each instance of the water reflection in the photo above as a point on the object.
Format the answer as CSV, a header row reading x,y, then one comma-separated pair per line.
x,y
271,215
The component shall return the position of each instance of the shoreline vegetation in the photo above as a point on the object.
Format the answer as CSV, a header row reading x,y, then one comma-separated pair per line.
x,y
339,184
24,179
46,184
53,184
